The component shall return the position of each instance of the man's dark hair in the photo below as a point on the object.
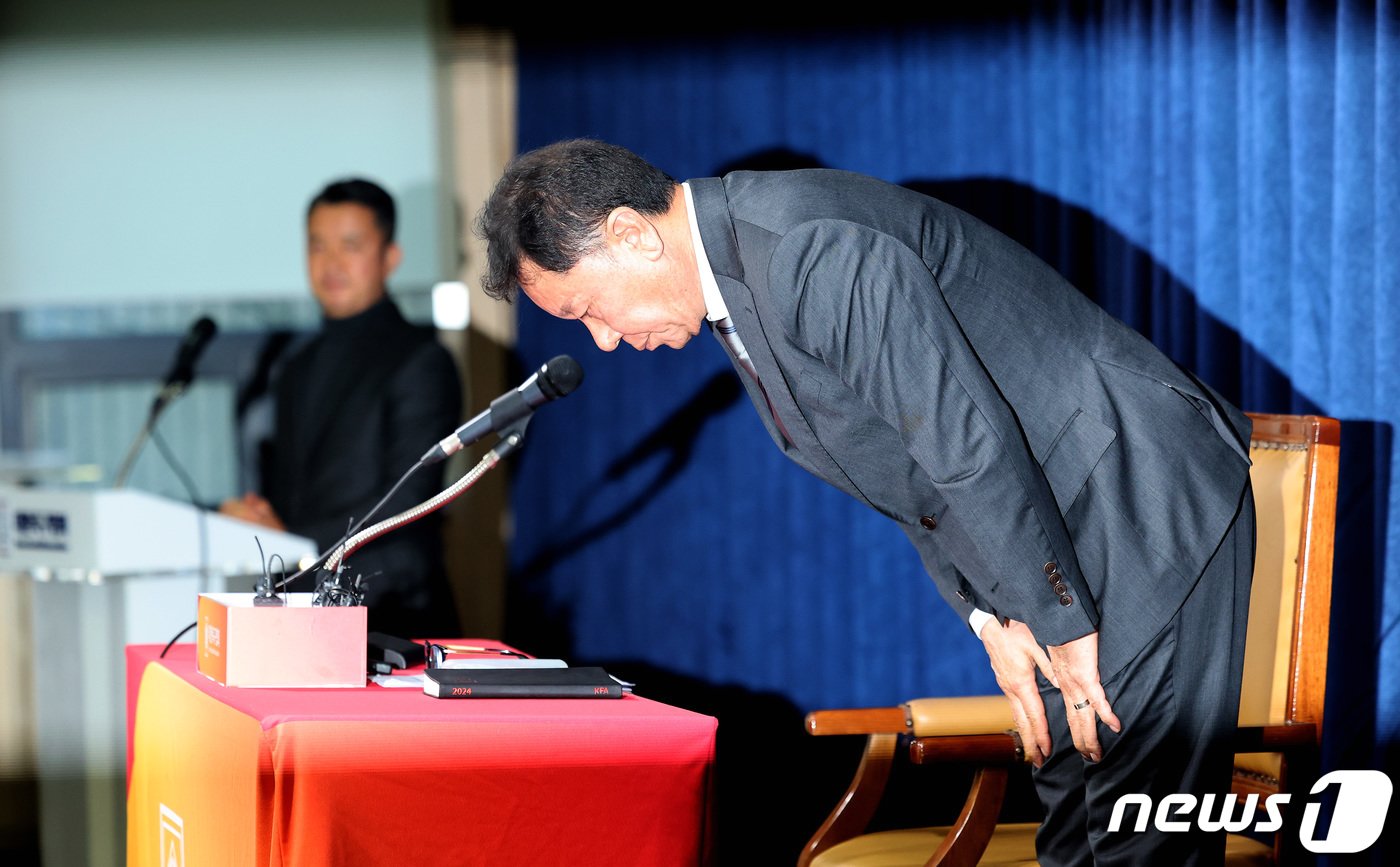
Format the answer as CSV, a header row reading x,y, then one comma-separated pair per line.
x,y
549,205
357,191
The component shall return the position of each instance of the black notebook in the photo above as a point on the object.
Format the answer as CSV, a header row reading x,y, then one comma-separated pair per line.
x,y
581,682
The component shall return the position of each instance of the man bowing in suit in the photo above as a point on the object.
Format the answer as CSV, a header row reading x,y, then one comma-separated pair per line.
x,y
1075,495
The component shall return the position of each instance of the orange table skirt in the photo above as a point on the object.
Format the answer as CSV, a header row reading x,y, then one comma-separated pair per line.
x,y
391,776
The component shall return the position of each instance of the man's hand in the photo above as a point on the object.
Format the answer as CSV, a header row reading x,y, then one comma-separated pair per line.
x,y
1076,666
252,508
1015,655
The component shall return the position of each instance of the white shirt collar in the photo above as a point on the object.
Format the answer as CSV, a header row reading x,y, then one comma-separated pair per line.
x,y
715,308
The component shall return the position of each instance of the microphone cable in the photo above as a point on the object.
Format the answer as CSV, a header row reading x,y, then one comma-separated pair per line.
x,y
488,461
321,558
555,378
201,517
185,481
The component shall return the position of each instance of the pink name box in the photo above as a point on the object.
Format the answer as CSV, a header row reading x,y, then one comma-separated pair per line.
x,y
291,645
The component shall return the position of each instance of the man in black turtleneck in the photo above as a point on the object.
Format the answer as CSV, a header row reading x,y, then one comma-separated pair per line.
x,y
355,408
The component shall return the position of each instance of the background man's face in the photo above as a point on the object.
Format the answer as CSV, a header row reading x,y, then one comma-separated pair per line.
x,y
347,260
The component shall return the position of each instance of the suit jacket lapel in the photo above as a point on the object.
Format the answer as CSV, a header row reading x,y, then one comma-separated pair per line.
x,y
763,397
722,250
805,448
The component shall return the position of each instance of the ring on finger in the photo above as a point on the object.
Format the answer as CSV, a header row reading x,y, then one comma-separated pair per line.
x,y
1080,705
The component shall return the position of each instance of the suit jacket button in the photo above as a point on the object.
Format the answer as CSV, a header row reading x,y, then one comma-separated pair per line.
x,y
1066,600
1060,589
962,594
1053,577
929,522
1051,567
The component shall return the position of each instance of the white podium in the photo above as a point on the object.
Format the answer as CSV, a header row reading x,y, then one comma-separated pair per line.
x,y
110,568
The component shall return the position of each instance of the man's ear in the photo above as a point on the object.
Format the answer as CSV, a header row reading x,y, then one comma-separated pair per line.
x,y
632,231
393,256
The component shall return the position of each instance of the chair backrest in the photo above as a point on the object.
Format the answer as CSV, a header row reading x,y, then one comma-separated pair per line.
x,y
1294,476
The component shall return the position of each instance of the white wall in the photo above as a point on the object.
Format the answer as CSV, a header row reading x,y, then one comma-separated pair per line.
x,y
166,149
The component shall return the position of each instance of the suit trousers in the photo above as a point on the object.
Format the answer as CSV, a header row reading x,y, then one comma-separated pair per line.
x,y
1178,702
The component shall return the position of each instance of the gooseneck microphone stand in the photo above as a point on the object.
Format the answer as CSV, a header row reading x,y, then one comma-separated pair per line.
x,y
164,399
333,586
176,381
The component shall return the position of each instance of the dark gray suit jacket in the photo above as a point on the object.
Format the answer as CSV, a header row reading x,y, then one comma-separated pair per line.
x,y
937,371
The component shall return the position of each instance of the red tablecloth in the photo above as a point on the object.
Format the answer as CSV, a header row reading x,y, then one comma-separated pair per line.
x,y
391,776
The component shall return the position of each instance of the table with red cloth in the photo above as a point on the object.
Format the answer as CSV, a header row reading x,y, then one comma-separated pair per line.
x,y
380,775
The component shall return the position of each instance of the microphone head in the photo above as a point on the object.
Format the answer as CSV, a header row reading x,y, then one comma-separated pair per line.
x,y
559,376
203,329
196,339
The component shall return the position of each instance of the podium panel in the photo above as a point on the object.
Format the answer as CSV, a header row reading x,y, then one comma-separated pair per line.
x,y
108,568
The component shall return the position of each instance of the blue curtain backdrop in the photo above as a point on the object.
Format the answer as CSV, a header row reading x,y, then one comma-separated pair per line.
x,y
1223,177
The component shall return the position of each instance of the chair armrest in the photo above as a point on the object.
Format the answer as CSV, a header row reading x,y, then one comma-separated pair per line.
x,y
964,715
1003,748
961,715
981,724
858,721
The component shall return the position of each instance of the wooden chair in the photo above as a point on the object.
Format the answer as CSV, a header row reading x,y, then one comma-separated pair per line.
x,y
1294,476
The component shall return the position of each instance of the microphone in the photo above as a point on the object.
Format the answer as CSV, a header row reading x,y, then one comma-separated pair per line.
x,y
555,378
182,370
176,381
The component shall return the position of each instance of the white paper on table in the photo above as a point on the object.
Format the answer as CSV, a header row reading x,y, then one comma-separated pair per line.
x,y
394,681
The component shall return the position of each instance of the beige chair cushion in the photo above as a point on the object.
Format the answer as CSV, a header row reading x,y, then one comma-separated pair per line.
x,y
1013,845
1278,477
962,715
